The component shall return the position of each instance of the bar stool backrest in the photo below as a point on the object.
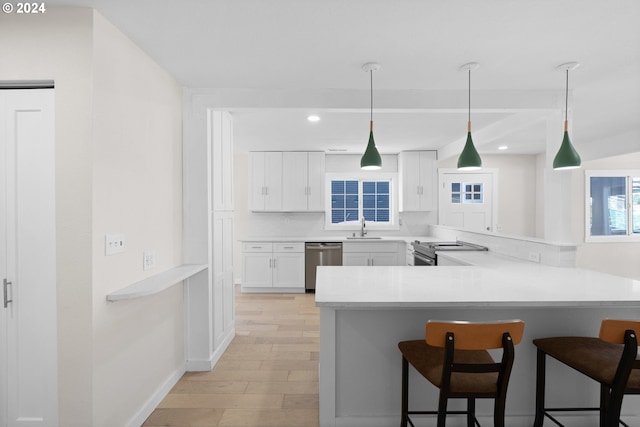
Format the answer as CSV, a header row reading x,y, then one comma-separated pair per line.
x,y
612,330
473,335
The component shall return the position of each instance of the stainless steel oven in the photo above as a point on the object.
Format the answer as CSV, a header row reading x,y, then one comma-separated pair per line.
x,y
424,253
423,260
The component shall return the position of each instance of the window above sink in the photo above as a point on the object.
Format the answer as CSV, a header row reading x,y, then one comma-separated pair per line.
x,y
352,197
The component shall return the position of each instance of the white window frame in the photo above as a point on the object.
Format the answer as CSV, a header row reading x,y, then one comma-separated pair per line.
x,y
393,223
628,174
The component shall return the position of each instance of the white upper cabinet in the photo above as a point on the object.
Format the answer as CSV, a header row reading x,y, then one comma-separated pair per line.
x,y
221,160
418,180
294,181
302,181
266,181
287,181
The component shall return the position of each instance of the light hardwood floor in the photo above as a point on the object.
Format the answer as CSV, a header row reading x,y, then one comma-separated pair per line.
x,y
268,377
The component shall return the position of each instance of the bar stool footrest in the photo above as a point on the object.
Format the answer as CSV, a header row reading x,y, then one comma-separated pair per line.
x,y
558,423
475,420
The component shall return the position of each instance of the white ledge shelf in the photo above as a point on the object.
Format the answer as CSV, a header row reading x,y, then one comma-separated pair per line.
x,y
156,283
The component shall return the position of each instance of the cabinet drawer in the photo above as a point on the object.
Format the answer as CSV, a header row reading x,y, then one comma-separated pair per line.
x,y
288,247
257,247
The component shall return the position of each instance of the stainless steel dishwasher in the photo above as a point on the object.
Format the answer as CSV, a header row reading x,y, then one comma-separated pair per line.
x,y
321,253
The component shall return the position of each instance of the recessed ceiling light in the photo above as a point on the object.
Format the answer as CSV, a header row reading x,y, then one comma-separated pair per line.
x,y
502,147
313,118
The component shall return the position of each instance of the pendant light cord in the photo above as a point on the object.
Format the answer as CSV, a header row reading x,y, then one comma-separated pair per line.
x,y
371,116
469,121
566,99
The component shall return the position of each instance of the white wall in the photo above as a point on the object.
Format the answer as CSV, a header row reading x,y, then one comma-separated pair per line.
x,y
620,259
137,190
118,139
517,183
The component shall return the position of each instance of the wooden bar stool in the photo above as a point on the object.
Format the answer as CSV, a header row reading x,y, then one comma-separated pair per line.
x,y
454,358
609,360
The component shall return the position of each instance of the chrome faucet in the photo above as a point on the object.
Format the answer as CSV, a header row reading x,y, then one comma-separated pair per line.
x,y
362,227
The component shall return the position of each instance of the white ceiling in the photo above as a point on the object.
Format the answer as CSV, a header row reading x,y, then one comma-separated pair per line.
x,y
290,58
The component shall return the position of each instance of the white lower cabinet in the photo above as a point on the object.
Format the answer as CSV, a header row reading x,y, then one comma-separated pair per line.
x,y
273,266
370,254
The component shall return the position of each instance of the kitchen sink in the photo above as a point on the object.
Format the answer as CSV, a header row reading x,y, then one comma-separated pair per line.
x,y
363,237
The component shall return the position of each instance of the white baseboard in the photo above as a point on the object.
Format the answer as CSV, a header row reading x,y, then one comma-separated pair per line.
x,y
254,290
153,401
192,365
203,365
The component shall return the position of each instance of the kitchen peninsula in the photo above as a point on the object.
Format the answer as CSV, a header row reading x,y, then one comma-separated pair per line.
x,y
366,311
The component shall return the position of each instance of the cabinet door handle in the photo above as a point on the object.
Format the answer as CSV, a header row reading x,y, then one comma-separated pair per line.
x,y
287,247
5,285
266,191
274,263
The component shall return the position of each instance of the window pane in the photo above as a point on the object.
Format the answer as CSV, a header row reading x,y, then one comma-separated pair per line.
x,y
351,215
337,216
382,187
468,188
337,187
382,215
368,187
455,187
455,198
351,187
476,188
635,203
368,202
337,201
608,205
351,202
369,214
382,202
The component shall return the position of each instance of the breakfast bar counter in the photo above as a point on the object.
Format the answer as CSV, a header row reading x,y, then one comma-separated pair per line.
x,y
366,311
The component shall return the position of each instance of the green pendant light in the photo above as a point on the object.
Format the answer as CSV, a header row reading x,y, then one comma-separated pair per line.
x,y
371,159
567,156
469,159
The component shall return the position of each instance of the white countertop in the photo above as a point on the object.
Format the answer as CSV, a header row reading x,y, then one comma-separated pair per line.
x,y
491,280
372,238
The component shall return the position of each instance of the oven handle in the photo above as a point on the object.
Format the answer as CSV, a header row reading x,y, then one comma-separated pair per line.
x,y
428,261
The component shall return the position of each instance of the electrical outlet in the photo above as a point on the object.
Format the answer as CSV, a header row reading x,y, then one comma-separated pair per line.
x,y
148,260
114,244
534,256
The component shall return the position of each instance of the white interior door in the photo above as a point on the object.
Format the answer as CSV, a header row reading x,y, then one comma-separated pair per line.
x,y
466,200
28,322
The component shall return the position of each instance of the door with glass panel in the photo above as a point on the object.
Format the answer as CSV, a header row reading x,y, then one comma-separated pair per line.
x,y
466,200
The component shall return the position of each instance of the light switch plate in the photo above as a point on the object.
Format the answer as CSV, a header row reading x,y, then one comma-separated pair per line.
x,y
114,244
